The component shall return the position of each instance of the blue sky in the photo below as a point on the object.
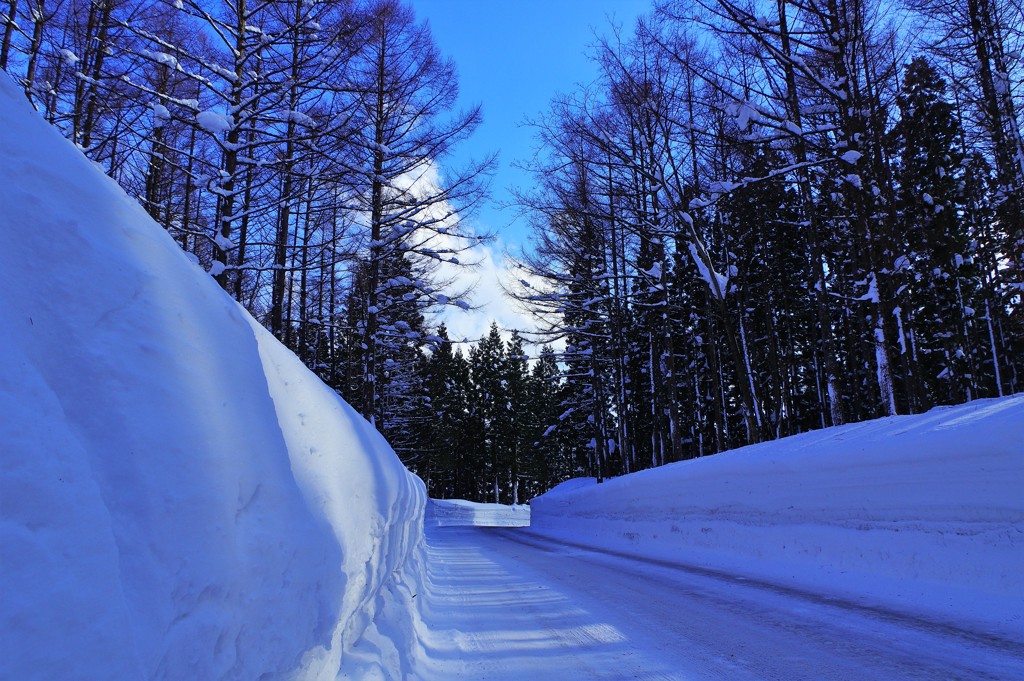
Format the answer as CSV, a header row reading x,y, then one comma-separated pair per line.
x,y
513,56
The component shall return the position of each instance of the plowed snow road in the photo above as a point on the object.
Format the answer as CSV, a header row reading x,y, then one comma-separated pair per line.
x,y
511,605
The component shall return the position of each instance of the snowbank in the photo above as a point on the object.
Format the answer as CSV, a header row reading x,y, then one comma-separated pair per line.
x,y
179,497
452,512
921,512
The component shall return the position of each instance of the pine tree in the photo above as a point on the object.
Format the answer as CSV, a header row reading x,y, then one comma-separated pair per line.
x,y
547,464
939,284
517,423
487,362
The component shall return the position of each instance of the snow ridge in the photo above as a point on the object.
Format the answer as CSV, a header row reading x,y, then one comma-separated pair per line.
x,y
921,513
179,497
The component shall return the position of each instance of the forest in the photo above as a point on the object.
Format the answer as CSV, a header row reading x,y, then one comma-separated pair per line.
x,y
760,219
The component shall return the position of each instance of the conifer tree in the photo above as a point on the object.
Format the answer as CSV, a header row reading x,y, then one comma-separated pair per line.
x,y
488,363
939,283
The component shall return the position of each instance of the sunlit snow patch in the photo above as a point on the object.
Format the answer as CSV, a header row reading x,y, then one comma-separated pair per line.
x,y
922,512
179,497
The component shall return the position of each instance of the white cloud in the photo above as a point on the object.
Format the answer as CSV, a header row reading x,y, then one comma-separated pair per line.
x,y
482,271
484,282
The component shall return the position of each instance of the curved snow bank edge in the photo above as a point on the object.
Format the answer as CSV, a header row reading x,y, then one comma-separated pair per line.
x,y
378,617
179,496
921,513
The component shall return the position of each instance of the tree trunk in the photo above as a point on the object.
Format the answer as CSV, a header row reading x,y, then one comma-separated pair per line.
x,y
9,23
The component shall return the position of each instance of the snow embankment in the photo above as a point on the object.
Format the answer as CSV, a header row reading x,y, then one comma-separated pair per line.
x,y
179,497
459,512
924,513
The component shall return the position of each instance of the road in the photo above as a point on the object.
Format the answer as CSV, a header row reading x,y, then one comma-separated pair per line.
x,y
508,605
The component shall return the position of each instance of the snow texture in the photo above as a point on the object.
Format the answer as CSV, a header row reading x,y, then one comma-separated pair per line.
x,y
160,115
213,122
179,497
851,157
300,118
717,283
455,512
922,512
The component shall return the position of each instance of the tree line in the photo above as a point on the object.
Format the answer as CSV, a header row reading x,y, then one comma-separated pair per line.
x,y
298,151
762,218
294,148
770,216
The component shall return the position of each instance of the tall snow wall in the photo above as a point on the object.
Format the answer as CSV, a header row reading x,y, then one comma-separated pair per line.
x,y
179,497
923,513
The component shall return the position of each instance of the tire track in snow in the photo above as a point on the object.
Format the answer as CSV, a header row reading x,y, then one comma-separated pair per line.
x,y
511,605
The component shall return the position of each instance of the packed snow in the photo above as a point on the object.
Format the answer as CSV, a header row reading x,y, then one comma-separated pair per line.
x,y
924,513
179,497
457,512
888,549
507,605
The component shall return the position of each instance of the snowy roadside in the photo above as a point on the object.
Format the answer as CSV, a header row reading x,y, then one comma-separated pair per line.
x,y
924,513
179,497
458,512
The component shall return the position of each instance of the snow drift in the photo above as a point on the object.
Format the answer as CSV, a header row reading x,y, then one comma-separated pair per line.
x,y
179,497
924,513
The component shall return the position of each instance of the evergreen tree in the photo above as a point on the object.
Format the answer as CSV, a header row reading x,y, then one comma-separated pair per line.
x,y
488,364
546,463
939,285
442,463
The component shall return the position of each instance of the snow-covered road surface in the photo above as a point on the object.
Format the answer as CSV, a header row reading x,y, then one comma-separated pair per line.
x,y
508,604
